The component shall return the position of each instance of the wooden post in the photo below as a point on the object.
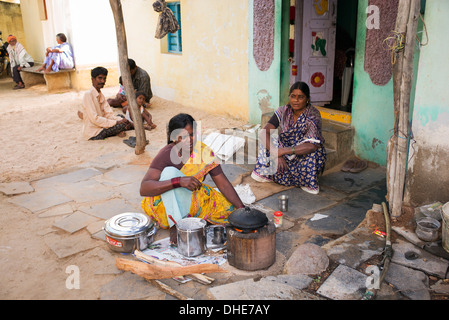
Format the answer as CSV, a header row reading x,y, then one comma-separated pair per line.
x,y
407,23
117,11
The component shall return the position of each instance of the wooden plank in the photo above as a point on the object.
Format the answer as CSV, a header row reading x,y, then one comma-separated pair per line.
x,y
408,16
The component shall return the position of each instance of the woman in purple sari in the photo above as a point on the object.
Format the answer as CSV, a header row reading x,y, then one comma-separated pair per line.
x,y
296,155
58,57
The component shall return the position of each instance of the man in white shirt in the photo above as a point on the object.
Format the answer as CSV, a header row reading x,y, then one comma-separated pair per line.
x,y
99,120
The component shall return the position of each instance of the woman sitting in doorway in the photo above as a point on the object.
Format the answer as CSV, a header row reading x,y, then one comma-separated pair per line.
x,y
297,156
58,57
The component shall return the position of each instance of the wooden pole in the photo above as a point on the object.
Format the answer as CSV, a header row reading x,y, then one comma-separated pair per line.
x,y
407,23
117,11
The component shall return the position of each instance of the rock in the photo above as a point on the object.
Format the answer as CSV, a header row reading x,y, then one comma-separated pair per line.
x,y
307,259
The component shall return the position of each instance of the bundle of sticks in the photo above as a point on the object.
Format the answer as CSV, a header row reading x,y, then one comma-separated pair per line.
x,y
153,269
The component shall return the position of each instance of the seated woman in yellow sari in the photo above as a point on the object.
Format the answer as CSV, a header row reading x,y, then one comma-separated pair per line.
x,y
173,187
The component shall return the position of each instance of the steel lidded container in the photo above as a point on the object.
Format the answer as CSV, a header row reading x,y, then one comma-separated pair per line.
x,y
129,231
191,236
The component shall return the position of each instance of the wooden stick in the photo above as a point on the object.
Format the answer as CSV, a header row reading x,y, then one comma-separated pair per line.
x,y
117,11
152,272
168,289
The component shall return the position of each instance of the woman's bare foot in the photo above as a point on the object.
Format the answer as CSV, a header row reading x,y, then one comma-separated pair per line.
x,y
122,134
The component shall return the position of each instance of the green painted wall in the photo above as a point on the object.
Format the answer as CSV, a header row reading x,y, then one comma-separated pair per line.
x,y
372,110
428,174
264,86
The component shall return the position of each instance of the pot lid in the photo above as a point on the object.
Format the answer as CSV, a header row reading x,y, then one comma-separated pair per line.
x,y
247,218
128,224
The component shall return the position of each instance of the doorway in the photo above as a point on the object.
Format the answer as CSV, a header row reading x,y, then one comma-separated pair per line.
x,y
325,39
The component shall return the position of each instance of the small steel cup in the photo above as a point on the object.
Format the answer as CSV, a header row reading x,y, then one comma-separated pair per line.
x,y
283,203
218,235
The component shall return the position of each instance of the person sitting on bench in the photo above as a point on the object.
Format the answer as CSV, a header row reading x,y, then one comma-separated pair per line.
x,y
58,57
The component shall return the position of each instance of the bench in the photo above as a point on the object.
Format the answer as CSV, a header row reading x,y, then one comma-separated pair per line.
x,y
55,81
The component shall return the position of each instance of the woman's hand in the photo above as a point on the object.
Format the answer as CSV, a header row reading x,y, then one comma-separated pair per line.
x,y
190,183
282,165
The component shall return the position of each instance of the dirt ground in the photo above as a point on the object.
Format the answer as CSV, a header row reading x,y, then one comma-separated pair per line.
x,y
40,135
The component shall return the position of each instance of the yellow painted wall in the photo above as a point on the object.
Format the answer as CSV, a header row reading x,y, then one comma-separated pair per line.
x,y
212,71
11,21
33,29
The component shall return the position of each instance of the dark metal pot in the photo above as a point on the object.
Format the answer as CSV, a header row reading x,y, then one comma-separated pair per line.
x,y
247,219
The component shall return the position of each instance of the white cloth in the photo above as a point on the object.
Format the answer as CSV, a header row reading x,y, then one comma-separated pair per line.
x,y
18,56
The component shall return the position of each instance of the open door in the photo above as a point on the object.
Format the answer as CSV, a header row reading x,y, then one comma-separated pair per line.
x,y
316,37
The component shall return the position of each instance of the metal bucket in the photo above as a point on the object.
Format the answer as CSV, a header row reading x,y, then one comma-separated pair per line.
x,y
427,229
444,229
191,236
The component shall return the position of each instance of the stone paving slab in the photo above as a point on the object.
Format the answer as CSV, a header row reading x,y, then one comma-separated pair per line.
x,y
346,216
86,191
109,208
15,188
130,192
126,174
65,246
40,200
423,260
67,178
355,248
300,203
61,210
344,284
264,289
75,222
413,284
353,182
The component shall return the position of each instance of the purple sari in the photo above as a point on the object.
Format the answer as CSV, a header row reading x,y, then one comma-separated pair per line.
x,y
303,170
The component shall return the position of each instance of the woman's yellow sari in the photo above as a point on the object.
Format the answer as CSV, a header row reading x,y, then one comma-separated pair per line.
x,y
206,203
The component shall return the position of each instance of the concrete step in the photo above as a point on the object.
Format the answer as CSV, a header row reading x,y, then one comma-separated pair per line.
x,y
338,138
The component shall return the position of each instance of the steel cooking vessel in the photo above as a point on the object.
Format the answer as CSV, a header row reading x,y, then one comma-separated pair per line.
x,y
129,231
191,236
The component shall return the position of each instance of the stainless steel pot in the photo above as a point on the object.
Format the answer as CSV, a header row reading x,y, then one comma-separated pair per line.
x,y
191,236
129,231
